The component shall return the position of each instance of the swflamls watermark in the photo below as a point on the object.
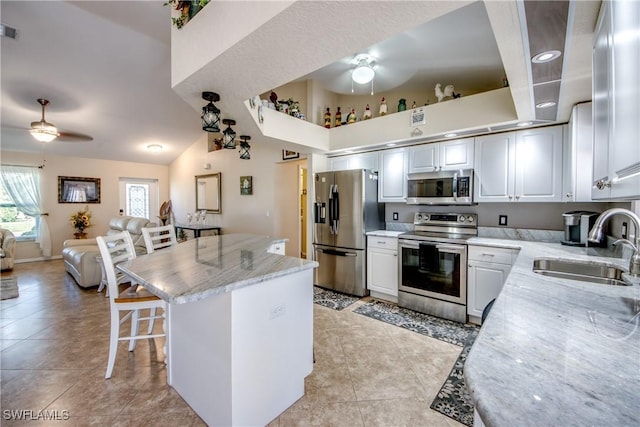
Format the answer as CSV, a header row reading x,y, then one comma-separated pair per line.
x,y
30,414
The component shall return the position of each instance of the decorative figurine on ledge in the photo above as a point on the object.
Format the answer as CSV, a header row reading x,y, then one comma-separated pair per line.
x,y
351,117
327,118
414,105
338,118
383,107
367,113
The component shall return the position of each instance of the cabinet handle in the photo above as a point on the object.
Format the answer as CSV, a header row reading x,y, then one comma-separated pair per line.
x,y
518,197
487,254
569,195
382,243
510,197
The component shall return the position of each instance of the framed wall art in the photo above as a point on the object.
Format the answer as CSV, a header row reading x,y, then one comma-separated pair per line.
x,y
288,155
246,185
74,189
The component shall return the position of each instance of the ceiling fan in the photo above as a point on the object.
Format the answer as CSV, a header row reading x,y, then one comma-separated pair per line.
x,y
44,131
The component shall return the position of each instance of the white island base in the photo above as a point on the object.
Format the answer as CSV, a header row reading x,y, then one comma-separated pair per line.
x,y
240,358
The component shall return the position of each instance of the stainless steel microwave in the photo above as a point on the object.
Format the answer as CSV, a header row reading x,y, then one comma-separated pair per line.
x,y
441,188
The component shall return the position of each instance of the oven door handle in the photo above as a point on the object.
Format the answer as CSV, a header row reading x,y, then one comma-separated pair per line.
x,y
408,244
450,249
455,186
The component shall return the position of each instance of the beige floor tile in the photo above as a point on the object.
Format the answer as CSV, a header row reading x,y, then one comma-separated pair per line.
x,y
53,356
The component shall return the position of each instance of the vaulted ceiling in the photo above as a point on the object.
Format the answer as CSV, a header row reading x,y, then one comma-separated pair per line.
x,y
105,66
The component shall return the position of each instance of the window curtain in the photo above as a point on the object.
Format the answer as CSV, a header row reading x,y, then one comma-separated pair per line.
x,y
22,184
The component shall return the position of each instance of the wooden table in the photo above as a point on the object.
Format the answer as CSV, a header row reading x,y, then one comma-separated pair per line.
x,y
240,324
197,228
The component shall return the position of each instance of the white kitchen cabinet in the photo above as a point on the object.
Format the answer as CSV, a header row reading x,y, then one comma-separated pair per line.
x,y
488,268
523,166
578,154
616,90
355,161
392,181
382,267
442,156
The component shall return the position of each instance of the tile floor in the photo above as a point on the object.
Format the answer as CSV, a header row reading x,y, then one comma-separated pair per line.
x,y
54,340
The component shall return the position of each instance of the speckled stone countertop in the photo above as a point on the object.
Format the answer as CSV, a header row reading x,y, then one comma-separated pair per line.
x,y
207,266
384,233
556,351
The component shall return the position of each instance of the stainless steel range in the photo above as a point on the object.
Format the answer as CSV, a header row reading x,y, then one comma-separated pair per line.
x,y
433,264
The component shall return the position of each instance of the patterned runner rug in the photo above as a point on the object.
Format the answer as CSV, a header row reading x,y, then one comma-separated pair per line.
x,y
453,399
332,299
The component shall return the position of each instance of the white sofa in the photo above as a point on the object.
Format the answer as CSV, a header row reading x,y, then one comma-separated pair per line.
x,y
80,254
8,247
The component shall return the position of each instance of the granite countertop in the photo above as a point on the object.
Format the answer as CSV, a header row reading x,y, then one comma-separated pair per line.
x,y
384,233
207,266
557,351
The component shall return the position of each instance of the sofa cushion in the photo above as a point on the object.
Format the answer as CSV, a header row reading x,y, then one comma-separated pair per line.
x,y
119,223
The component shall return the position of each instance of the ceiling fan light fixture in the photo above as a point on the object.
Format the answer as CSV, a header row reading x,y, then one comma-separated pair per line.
x,y
363,74
47,134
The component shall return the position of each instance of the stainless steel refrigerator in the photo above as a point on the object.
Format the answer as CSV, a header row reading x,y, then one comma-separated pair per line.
x,y
345,208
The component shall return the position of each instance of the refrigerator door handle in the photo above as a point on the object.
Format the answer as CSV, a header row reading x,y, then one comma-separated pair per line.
x,y
331,201
337,209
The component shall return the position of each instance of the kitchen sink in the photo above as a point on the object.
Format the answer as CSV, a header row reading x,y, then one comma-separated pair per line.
x,y
580,270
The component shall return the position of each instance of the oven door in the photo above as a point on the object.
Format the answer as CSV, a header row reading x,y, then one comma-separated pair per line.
x,y
433,269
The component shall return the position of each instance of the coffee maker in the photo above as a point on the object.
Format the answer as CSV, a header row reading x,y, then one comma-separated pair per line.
x,y
576,227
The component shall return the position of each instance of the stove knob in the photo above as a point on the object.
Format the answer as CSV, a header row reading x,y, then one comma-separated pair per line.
x,y
470,218
462,218
418,217
425,217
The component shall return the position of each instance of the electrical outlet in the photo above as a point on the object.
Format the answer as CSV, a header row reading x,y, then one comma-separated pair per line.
x,y
395,216
502,220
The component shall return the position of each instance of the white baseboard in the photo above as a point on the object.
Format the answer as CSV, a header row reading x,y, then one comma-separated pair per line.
x,y
42,258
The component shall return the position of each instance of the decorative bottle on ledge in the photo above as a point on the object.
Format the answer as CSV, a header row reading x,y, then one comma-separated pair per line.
x,y
338,118
327,118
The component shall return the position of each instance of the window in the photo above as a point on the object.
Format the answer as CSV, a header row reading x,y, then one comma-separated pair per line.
x,y
21,225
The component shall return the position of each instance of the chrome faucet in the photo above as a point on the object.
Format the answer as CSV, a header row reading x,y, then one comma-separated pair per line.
x,y
595,235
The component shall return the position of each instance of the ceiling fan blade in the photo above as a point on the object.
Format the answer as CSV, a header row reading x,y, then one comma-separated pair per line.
x,y
74,137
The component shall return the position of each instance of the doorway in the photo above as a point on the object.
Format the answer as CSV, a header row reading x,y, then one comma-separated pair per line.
x,y
139,198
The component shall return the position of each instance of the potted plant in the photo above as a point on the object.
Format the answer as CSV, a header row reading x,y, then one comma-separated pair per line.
x,y
80,221
187,9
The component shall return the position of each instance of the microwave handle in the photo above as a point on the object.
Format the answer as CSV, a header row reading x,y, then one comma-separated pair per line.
x,y
455,186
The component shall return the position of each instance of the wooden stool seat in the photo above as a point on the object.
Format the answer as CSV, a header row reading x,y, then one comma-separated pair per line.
x,y
135,294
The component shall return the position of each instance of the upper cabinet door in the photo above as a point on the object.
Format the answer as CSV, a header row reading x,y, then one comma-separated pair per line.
x,y
424,158
392,180
616,109
494,164
624,146
456,154
355,161
538,169
442,156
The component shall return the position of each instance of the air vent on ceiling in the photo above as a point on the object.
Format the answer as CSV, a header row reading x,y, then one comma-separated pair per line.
x,y
7,31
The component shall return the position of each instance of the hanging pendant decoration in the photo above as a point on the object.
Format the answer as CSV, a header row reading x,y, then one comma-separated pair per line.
x,y
245,148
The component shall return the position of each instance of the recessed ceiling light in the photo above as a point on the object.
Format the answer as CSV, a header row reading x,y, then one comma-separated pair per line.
x,y
154,148
547,56
450,135
523,124
547,104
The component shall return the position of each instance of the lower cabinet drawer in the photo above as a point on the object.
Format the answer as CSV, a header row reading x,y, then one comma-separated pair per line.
x,y
382,242
491,254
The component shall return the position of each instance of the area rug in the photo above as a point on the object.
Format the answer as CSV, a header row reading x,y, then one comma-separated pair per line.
x,y
332,299
434,327
453,399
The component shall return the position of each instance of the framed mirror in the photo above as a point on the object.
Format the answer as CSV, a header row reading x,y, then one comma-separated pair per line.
x,y
209,192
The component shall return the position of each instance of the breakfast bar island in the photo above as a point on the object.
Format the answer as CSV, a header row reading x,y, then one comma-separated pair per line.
x,y
240,324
